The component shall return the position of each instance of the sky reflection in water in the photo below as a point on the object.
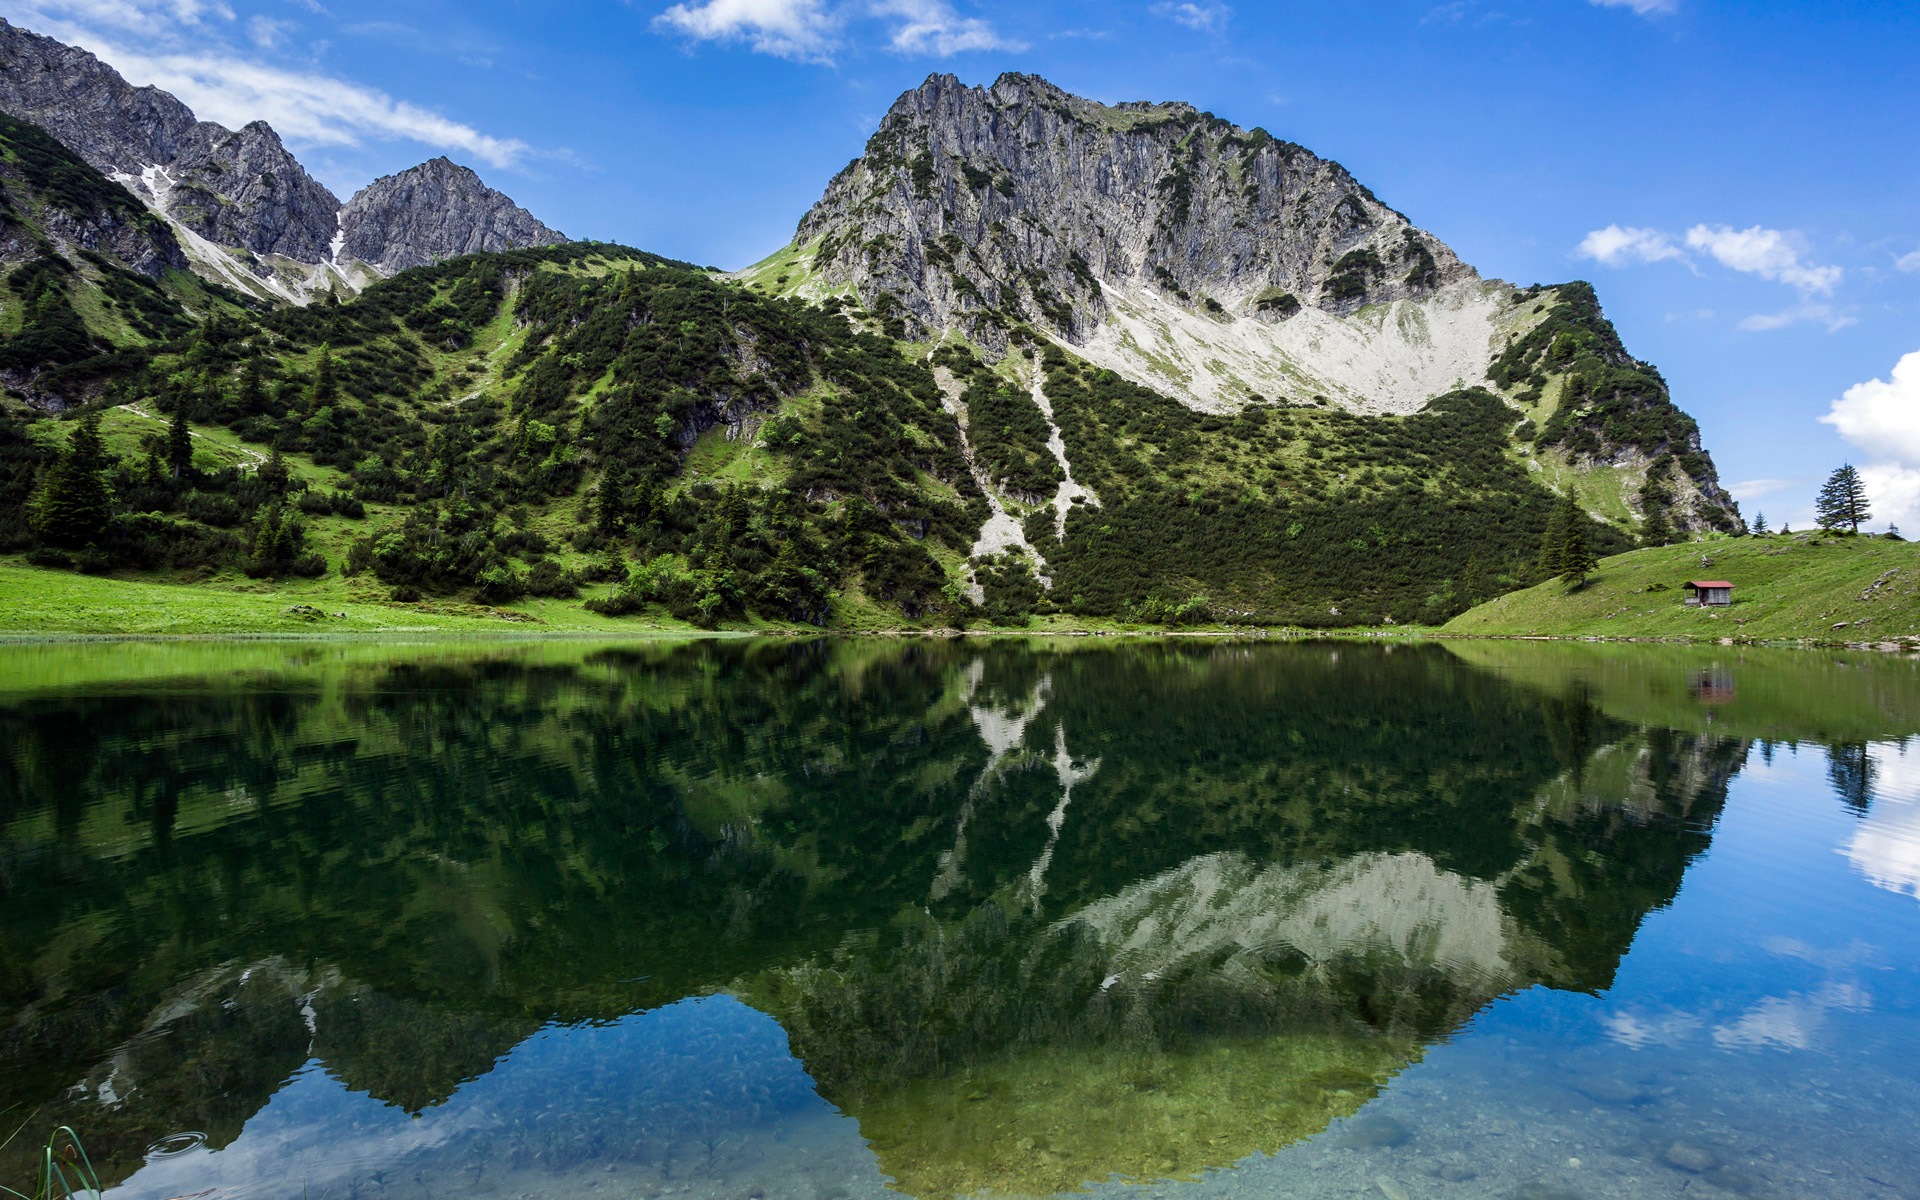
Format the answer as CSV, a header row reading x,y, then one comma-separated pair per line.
x,y
815,921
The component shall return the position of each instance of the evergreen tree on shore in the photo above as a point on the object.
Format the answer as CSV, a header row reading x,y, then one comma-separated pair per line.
x,y
1842,502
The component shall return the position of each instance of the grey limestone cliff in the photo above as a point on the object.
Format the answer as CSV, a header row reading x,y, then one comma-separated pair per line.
x,y
234,188
243,191
436,210
976,206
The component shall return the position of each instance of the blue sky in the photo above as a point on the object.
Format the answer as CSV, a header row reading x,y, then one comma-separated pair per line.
x,y
1741,181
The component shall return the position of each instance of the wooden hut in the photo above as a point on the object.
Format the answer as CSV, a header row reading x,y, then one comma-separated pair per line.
x,y
1711,593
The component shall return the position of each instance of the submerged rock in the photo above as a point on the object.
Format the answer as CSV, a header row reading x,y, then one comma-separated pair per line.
x,y
1372,1131
1688,1156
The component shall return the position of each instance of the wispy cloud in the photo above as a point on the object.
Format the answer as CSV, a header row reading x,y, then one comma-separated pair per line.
x,y
1207,18
803,30
1908,262
815,30
1620,246
1819,314
1646,8
933,27
185,47
1769,253
1776,255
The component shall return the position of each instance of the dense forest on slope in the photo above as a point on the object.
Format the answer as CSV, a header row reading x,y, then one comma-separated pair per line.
x,y
597,422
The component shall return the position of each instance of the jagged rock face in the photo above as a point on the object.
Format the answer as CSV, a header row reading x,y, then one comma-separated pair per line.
x,y
436,210
233,188
51,200
974,207
245,189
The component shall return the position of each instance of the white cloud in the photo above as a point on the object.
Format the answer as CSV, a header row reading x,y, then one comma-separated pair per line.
x,y
1908,262
181,51
137,16
268,33
1207,18
1885,846
798,29
810,30
1883,415
933,27
1769,253
1755,489
1619,246
1646,8
301,106
1824,314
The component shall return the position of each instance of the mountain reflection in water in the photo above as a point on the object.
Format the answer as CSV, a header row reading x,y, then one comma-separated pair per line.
x,y
1031,915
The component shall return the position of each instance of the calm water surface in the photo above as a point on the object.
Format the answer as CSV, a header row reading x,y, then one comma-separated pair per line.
x,y
825,921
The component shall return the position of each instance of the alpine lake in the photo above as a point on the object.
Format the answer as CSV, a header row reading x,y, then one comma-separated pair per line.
x,y
796,919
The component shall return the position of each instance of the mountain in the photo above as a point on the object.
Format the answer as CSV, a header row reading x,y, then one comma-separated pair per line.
x,y
247,212
436,210
1226,268
1028,356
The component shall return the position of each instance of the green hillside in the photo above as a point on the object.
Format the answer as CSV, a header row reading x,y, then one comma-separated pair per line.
x,y
592,425
1786,586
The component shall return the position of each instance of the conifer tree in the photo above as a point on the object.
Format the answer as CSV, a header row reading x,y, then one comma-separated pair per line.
x,y
74,503
179,446
253,396
325,387
275,474
1760,524
1656,530
1577,560
1553,545
1842,502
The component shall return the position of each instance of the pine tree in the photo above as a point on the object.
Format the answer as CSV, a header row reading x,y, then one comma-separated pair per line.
x,y
253,396
74,503
1656,530
1760,524
1553,545
179,446
1577,561
1842,502
325,387
275,474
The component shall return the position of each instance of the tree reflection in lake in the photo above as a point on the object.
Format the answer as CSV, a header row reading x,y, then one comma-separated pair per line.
x,y
1032,914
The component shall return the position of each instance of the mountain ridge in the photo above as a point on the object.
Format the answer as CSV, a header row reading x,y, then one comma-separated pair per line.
x,y
246,210
818,441
1224,267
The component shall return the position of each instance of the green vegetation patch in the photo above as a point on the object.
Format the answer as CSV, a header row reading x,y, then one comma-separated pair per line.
x,y
1786,586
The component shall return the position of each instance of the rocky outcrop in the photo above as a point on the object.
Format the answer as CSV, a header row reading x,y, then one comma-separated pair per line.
x,y
239,189
436,210
268,226
975,208
53,202
244,189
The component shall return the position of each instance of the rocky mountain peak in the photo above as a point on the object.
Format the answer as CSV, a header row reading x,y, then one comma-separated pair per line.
x,y
436,210
982,208
250,214
241,189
